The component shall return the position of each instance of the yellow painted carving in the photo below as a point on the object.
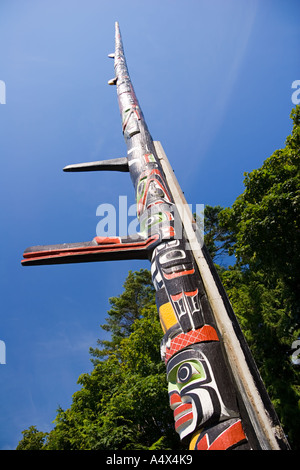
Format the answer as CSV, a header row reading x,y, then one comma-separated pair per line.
x,y
167,316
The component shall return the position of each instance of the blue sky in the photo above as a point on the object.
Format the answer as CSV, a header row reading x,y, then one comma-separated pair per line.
x,y
214,81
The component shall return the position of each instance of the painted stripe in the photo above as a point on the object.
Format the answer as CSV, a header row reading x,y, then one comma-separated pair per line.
x,y
182,409
132,162
174,399
231,436
206,333
183,420
178,274
194,439
132,150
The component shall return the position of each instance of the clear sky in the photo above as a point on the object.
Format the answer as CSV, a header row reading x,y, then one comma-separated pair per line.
x,y
213,78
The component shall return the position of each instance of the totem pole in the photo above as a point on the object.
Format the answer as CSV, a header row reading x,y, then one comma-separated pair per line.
x,y
215,391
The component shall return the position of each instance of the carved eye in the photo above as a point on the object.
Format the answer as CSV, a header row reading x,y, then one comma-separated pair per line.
x,y
155,219
171,256
141,187
186,372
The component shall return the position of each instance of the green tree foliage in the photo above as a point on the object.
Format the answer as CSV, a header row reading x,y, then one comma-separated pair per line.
x,y
32,439
262,229
216,237
264,220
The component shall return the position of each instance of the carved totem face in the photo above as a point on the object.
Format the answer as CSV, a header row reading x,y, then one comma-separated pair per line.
x,y
193,392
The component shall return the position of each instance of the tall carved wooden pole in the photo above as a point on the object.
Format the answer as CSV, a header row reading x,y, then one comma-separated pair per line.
x,y
215,390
